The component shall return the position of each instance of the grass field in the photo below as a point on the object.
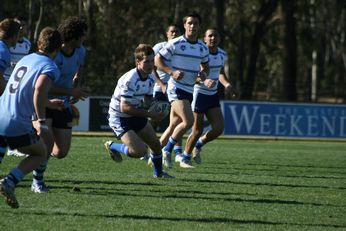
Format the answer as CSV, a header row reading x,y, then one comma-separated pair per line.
x,y
241,185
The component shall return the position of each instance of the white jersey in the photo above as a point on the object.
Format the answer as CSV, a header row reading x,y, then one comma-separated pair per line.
x,y
21,49
187,57
163,75
132,89
216,62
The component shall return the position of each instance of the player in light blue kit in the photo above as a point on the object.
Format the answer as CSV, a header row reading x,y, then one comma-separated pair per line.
x,y
69,60
18,51
26,94
9,31
189,63
205,98
127,118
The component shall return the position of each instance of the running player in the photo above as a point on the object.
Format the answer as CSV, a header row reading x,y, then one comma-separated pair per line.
x,y
128,120
189,63
68,60
205,99
27,93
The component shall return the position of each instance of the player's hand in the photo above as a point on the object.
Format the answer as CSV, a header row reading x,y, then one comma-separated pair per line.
x,y
157,117
177,75
80,93
231,91
209,83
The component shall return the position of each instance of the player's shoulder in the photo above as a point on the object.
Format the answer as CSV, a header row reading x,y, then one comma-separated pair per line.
x,y
178,40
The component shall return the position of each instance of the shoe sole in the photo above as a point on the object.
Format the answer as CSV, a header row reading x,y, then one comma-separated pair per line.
x,y
184,165
9,199
116,157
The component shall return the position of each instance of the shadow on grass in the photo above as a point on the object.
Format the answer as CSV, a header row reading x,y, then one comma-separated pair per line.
x,y
261,184
172,219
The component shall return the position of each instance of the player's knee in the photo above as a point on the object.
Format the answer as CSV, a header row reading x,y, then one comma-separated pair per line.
x,y
60,154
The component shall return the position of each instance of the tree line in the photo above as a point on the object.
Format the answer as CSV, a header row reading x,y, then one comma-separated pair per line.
x,y
279,50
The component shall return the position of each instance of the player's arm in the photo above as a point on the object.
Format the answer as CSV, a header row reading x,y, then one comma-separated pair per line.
x,y
203,73
41,89
159,81
77,92
128,108
226,83
160,63
223,79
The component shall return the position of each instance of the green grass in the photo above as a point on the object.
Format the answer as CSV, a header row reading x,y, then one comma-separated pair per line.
x,y
241,185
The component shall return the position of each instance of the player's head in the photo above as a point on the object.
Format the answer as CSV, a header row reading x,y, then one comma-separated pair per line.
x,y
212,37
23,26
144,58
73,30
172,31
49,40
192,23
9,31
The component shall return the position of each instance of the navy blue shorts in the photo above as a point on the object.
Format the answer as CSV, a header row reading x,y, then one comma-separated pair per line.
x,y
159,96
179,94
15,142
202,103
125,124
60,119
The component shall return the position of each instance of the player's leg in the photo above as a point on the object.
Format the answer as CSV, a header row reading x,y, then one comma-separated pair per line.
x,y
148,135
182,109
62,142
216,120
125,129
197,130
36,151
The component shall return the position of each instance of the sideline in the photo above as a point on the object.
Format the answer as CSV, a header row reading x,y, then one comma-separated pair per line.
x,y
265,138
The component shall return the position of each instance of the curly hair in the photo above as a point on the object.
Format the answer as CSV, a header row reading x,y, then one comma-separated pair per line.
x,y
72,28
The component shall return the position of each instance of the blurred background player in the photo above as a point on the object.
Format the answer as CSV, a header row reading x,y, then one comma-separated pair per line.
x,y
69,60
27,93
9,31
172,32
206,100
189,62
127,118
18,51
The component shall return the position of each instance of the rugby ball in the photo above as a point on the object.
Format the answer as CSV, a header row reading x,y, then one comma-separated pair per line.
x,y
160,107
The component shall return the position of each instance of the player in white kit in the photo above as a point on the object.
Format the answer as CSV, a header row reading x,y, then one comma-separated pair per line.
x,y
127,118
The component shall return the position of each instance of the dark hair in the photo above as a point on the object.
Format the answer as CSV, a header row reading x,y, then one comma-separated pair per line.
x,y
72,28
172,25
143,50
8,28
193,15
49,40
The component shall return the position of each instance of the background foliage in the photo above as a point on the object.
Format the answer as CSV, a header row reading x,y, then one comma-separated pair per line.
x,y
271,43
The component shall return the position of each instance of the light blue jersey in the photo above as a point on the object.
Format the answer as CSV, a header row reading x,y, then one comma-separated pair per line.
x,y
187,57
16,102
68,66
5,56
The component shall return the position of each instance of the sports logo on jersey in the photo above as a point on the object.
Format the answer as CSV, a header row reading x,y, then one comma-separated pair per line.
x,y
183,47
